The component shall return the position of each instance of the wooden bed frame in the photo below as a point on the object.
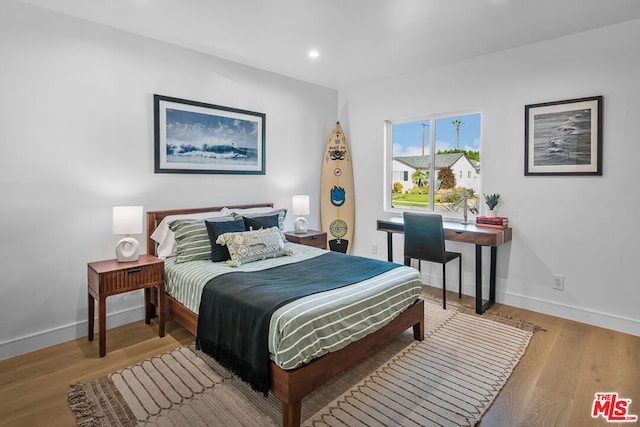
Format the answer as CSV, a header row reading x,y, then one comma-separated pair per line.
x,y
290,386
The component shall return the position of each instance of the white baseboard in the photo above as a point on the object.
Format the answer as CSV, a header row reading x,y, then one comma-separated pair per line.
x,y
579,314
43,339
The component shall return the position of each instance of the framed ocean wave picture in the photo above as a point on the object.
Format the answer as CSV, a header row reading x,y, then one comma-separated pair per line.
x,y
196,137
564,137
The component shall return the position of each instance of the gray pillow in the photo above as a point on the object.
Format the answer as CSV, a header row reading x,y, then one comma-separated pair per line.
x,y
258,222
255,245
282,213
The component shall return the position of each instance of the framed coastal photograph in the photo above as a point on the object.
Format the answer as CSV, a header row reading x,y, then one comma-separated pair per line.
x,y
195,137
563,137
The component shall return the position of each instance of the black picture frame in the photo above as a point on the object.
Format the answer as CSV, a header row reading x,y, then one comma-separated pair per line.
x,y
194,137
563,137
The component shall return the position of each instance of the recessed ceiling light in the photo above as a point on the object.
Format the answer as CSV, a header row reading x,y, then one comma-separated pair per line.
x,y
314,53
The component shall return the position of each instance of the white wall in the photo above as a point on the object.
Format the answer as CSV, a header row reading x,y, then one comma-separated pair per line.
x,y
76,138
582,227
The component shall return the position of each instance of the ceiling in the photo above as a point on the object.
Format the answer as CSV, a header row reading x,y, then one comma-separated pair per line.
x,y
358,40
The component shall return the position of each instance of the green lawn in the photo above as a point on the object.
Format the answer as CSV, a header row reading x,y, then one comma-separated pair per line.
x,y
422,200
400,199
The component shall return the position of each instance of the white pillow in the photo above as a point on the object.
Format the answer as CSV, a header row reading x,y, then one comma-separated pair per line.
x,y
265,209
165,237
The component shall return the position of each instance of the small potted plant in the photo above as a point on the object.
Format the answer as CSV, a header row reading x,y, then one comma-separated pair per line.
x,y
492,201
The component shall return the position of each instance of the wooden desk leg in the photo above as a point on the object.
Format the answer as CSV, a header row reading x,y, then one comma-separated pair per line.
x,y
389,246
481,306
479,279
92,307
492,277
161,301
102,324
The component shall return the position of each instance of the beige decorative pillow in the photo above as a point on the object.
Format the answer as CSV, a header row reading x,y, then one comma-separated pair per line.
x,y
249,246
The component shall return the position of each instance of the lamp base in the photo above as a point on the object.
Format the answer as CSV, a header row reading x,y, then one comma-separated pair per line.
x,y
300,225
127,250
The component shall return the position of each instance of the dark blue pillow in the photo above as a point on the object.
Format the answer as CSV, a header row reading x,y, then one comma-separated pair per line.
x,y
215,229
258,222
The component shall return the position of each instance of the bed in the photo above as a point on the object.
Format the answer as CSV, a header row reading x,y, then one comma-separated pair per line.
x,y
289,385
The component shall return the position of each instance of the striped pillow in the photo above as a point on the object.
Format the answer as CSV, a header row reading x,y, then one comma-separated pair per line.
x,y
258,212
192,238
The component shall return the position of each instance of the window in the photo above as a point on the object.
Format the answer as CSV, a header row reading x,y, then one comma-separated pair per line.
x,y
400,176
433,164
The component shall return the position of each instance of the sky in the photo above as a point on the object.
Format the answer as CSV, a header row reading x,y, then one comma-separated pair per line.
x,y
188,127
407,137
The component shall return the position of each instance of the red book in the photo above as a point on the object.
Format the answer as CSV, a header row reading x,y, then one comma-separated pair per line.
x,y
502,227
503,224
491,220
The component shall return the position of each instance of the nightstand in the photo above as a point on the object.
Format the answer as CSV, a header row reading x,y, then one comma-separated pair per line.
x,y
317,239
110,277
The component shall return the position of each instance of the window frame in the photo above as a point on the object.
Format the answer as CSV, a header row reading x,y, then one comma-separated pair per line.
x,y
388,161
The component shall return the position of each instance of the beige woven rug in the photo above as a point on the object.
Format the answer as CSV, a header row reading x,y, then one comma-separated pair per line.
x,y
450,378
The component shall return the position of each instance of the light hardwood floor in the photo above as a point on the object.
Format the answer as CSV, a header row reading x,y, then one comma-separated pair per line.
x,y
554,384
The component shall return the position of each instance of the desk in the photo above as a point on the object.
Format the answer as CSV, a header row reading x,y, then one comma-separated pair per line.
x,y
467,233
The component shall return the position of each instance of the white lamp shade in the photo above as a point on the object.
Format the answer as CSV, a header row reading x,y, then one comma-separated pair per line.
x,y
300,205
127,219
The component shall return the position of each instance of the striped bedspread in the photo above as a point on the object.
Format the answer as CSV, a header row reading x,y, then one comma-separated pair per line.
x,y
315,325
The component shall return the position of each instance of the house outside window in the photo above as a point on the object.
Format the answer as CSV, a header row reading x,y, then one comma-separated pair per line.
x,y
433,164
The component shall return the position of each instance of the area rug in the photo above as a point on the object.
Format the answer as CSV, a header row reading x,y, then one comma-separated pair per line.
x,y
450,378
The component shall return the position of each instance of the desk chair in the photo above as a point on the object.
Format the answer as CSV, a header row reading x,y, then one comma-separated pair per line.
x,y
424,241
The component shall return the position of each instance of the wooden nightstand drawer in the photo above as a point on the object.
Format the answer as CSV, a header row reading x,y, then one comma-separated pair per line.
x,y
317,239
104,278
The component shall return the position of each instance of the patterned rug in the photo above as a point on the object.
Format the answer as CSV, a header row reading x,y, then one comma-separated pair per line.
x,y
450,378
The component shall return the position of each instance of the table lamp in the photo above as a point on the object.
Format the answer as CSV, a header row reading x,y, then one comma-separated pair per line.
x,y
300,208
127,220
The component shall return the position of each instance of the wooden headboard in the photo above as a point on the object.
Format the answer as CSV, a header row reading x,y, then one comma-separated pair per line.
x,y
154,218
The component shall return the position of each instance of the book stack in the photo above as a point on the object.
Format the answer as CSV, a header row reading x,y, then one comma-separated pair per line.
x,y
494,222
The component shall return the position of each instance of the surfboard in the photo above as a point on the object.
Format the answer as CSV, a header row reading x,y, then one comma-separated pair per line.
x,y
337,200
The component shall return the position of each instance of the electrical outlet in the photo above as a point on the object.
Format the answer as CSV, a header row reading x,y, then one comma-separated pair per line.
x,y
558,282
374,248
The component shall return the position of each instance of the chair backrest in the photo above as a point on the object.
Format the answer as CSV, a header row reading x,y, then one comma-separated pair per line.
x,y
424,237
